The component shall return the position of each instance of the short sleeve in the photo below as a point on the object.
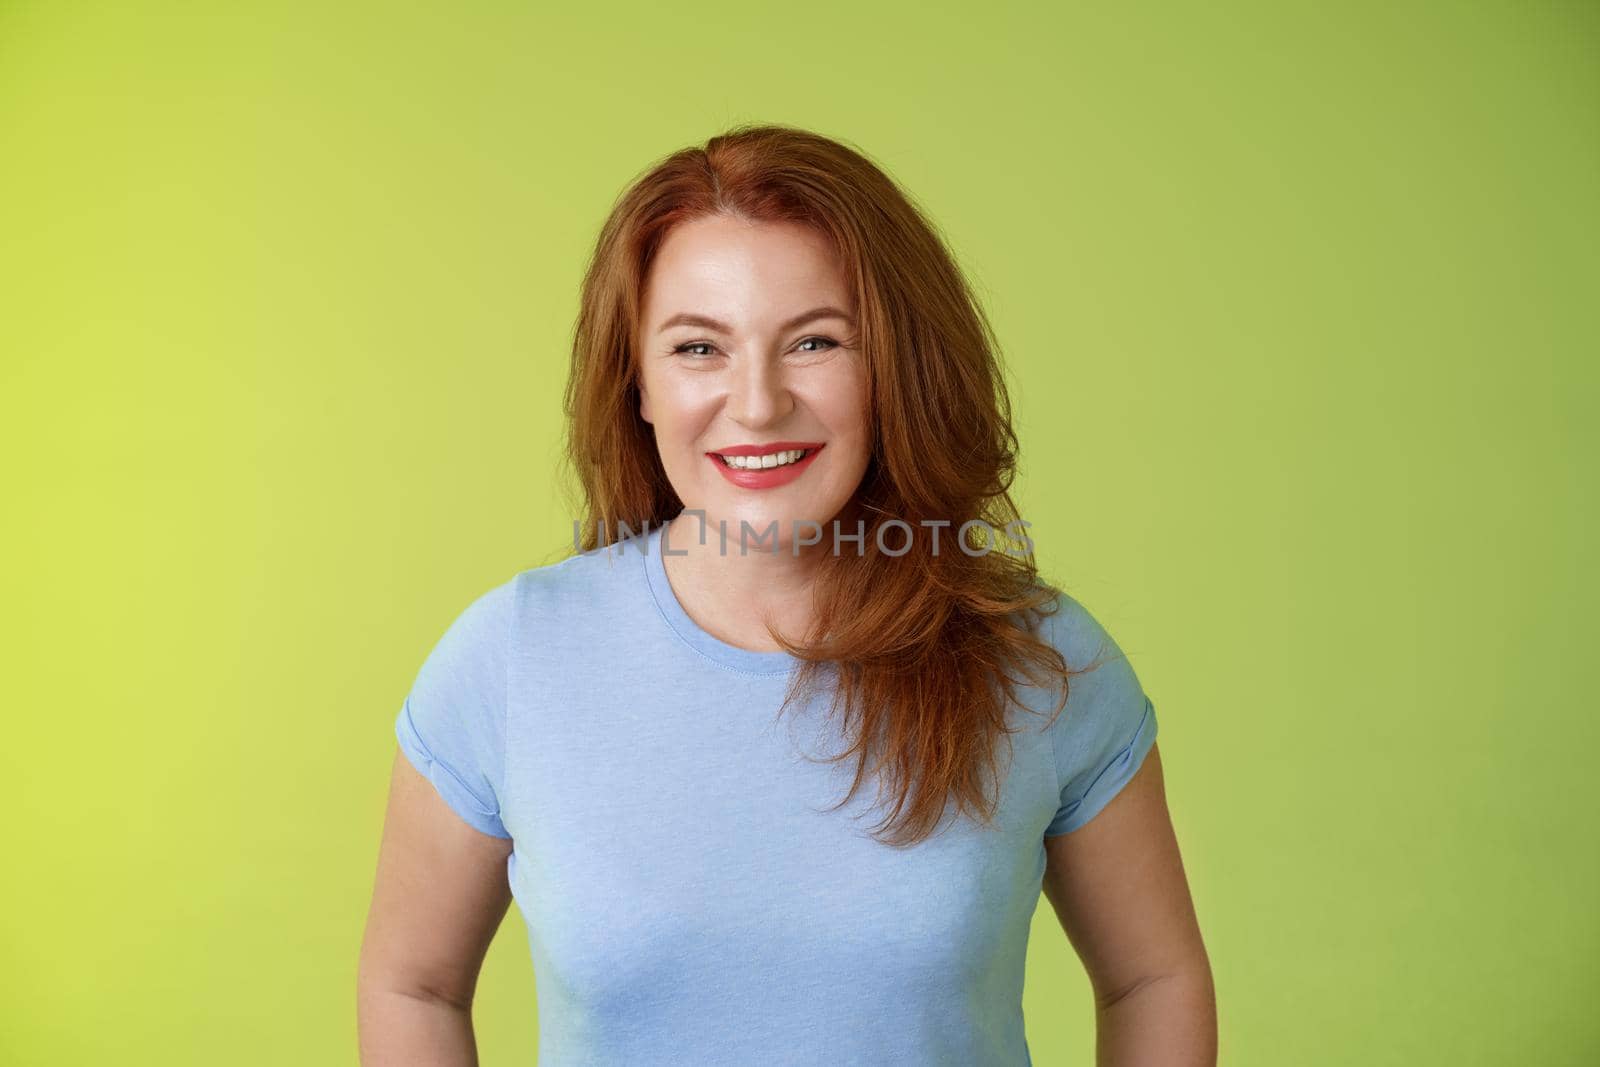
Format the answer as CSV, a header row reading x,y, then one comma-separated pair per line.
x,y
1101,737
452,723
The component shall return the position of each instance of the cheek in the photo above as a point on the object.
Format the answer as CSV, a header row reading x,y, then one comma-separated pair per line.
x,y
678,404
841,401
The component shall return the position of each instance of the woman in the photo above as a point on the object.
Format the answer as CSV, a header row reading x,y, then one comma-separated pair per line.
x,y
789,612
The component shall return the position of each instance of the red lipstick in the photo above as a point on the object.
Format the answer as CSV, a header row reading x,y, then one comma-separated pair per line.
x,y
765,477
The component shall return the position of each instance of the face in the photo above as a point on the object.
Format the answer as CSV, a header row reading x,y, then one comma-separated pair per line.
x,y
748,350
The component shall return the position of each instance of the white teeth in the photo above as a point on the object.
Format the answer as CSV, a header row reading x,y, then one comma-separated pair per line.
x,y
771,459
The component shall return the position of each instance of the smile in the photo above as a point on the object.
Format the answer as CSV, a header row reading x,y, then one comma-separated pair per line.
x,y
765,466
771,459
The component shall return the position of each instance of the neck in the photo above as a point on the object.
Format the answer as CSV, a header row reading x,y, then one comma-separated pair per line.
x,y
732,594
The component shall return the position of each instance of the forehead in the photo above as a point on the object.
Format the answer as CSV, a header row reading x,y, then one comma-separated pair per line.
x,y
729,266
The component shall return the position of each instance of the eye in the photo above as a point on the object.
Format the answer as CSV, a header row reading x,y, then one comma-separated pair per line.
x,y
686,348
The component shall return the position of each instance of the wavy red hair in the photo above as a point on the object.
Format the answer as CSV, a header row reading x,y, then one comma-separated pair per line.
x,y
924,646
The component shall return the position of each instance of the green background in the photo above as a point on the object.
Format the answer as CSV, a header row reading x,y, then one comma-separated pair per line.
x,y
1298,304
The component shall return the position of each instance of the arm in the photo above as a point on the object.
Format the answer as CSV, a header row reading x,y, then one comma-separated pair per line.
x,y
439,897
1118,888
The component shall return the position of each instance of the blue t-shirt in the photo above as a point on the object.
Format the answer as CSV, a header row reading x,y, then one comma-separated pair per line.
x,y
688,897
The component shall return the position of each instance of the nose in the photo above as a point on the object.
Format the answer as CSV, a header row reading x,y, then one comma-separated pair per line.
x,y
758,394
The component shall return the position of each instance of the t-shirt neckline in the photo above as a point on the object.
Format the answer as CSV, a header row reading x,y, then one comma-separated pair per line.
x,y
745,660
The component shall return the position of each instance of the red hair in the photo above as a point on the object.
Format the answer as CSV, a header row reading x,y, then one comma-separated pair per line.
x,y
923,644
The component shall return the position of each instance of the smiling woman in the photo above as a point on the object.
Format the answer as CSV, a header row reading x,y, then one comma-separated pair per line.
x,y
771,337
759,371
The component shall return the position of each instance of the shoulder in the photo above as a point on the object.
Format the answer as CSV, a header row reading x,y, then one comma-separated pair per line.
x,y
1108,723
472,651
578,586
1102,671
487,616
1076,632
1099,670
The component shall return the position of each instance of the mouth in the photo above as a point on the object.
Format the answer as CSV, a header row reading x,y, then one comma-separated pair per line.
x,y
764,461
765,466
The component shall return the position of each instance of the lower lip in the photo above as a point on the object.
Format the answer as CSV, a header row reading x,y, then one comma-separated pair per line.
x,y
766,477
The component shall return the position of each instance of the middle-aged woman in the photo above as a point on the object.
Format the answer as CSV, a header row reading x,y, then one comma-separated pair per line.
x,y
791,609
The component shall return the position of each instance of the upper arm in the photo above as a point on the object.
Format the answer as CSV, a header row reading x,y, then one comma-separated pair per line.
x,y
442,884
439,896
1117,886
1112,869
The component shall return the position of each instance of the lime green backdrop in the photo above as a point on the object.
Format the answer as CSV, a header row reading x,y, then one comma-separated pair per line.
x,y
1298,304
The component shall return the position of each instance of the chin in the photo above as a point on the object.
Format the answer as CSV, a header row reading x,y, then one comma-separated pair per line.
x,y
761,521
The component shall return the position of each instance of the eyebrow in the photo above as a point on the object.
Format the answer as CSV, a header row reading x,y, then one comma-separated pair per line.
x,y
685,318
